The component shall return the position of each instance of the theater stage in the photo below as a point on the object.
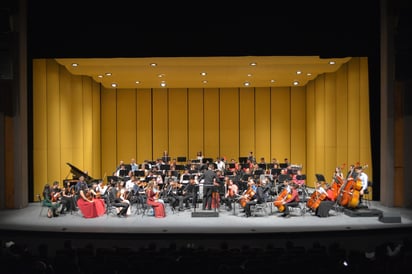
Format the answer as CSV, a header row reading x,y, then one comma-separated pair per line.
x,y
373,225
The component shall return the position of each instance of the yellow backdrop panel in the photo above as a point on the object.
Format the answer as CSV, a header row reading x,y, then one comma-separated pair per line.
x,y
262,123
298,127
126,124
229,123
178,130
144,125
280,124
160,122
211,123
246,121
195,122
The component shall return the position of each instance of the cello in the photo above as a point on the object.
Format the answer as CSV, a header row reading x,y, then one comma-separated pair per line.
x,y
315,199
247,196
284,195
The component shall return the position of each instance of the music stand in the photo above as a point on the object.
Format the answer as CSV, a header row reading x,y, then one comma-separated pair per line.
x,y
258,172
262,166
207,160
232,165
128,167
186,177
112,178
270,165
166,159
180,167
283,177
283,165
301,177
242,160
138,173
164,167
123,172
181,159
275,171
320,178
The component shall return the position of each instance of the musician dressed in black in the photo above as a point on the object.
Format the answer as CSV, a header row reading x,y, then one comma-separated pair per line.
x,y
174,195
114,199
57,194
190,191
68,198
258,198
209,178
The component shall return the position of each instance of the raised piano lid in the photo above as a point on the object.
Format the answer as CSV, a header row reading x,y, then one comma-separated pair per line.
x,y
77,172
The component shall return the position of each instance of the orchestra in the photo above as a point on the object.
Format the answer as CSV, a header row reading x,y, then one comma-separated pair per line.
x,y
231,183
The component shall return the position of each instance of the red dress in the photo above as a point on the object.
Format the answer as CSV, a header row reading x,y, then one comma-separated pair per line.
x,y
158,207
91,210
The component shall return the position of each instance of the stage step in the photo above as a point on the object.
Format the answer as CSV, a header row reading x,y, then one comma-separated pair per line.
x,y
205,214
362,212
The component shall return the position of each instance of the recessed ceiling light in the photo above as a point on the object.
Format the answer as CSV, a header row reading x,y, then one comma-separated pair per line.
x,y
137,82
75,65
253,64
108,74
153,64
100,76
295,83
114,85
246,84
332,62
163,84
298,72
203,73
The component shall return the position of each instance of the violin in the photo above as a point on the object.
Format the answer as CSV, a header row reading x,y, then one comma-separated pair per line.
x,y
55,196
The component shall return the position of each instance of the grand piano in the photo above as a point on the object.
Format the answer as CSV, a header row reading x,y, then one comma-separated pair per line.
x,y
77,173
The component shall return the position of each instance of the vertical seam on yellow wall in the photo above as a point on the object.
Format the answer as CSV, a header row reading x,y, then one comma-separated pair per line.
x,y
151,119
187,124
254,121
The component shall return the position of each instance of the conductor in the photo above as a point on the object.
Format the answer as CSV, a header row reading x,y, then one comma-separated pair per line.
x,y
209,179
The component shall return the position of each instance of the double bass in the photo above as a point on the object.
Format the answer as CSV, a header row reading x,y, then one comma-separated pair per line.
x,y
356,188
345,190
336,183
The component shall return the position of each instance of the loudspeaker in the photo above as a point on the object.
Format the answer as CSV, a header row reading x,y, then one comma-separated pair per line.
x,y
386,217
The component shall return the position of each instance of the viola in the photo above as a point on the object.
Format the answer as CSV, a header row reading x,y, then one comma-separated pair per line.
x,y
55,196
